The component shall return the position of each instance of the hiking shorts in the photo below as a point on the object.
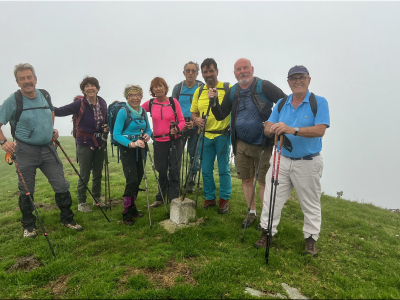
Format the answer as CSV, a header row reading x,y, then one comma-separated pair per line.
x,y
247,158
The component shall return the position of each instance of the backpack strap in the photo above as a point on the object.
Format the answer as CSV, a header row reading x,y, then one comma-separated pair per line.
x,y
281,104
46,95
260,93
151,105
233,91
226,86
180,92
81,112
171,103
313,104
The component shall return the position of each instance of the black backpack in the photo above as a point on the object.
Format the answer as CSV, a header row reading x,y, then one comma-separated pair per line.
x,y
171,103
313,104
113,110
20,108
199,84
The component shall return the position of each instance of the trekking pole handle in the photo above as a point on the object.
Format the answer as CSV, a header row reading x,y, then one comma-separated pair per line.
x,y
276,140
281,141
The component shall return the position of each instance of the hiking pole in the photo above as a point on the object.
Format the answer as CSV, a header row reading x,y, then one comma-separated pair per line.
x,y
202,148
272,199
12,156
145,178
57,143
191,165
155,174
106,171
254,186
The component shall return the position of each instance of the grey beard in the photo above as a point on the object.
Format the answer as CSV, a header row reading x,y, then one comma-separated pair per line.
x,y
244,81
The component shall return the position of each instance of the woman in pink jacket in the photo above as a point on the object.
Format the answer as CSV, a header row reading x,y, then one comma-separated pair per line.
x,y
168,121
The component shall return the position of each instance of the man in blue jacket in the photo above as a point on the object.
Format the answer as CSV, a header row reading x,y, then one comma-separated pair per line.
x,y
303,117
183,92
33,148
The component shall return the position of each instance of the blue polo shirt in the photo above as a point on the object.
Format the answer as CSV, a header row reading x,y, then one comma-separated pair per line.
x,y
302,117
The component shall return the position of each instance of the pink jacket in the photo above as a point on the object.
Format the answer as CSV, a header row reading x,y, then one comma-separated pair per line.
x,y
161,126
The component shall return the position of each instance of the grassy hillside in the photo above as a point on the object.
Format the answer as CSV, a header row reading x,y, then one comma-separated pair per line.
x,y
359,249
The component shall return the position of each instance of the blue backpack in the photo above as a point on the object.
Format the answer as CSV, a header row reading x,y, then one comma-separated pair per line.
x,y
113,110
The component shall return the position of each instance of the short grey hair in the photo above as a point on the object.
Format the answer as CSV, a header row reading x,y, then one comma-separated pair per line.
x,y
132,87
192,63
22,67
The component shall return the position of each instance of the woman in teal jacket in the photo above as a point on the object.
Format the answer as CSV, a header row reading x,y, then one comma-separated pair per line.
x,y
131,146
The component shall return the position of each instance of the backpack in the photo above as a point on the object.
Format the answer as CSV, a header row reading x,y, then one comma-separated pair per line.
x,y
225,88
113,110
199,84
258,90
20,108
171,103
76,118
313,104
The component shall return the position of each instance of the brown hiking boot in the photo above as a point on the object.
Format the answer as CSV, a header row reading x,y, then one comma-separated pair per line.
x,y
250,220
262,242
208,203
223,206
156,204
311,246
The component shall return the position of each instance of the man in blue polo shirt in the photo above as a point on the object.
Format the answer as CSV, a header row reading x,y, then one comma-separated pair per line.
x,y
183,92
303,118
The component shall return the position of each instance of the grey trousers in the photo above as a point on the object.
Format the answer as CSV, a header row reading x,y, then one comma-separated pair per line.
x,y
28,159
89,161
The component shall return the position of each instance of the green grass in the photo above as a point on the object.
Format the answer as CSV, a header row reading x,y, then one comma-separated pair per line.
x,y
359,249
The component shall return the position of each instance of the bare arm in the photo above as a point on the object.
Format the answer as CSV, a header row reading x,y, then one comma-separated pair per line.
x,y
7,146
307,132
199,121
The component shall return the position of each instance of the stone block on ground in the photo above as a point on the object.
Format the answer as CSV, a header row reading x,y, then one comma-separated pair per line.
x,y
182,211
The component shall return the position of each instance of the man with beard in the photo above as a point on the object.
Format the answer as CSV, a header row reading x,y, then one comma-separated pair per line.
x,y
31,116
183,92
216,140
250,101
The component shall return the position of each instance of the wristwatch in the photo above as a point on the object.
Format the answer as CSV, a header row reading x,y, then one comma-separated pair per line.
x,y
296,130
2,142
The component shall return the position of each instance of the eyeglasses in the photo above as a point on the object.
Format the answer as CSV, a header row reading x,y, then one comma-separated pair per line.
x,y
137,96
301,78
191,71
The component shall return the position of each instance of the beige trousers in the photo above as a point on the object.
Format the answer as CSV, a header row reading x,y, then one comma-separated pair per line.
x,y
304,176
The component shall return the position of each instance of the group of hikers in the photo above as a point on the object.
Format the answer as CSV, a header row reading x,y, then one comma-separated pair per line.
x,y
251,115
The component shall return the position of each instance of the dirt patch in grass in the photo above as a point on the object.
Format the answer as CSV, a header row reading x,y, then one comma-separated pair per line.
x,y
26,264
58,286
46,206
165,278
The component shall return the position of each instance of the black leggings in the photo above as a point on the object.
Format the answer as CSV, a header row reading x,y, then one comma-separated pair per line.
x,y
133,169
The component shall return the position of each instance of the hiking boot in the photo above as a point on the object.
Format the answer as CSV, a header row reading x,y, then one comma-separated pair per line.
x,y
73,225
30,233
84,207
130,222
262,242
100,202
311,246
137,214
156,204
208,203
250,220
259,228
223,206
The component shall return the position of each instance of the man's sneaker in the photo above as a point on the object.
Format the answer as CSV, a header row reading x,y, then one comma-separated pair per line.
x,y
100,202
84,207
223,206
259,228
29,233
130,222
262,242
73,225
156,204
311,246
250,220
209,203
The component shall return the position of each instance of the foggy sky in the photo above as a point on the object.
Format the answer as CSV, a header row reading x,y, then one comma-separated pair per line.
x,y
350,48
